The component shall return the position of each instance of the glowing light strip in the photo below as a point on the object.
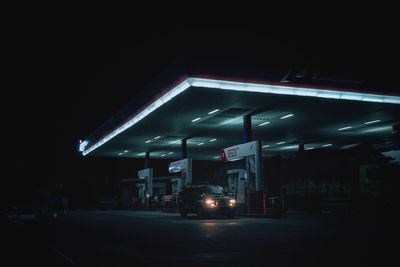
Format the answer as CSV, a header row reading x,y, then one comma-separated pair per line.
x,y
82,146
246,87
289,90
155,105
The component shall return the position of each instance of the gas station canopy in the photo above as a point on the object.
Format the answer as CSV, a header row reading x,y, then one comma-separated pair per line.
x,y
209,112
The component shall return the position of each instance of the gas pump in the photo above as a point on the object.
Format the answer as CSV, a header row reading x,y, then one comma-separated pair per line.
x,y
176,186
237,187
185,167
142,193
251,151
147,176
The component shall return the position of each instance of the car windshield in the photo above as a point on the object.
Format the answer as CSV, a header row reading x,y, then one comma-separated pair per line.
x,y
211,189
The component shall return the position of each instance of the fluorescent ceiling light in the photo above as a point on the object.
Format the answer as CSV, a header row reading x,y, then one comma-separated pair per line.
x,y
213,140
309,148
370,122
170,153
264,123
197,119
280,143
157,137
345,128
126,151
240,86
173,142
216,157
120,153
200,144
163,155
326,145
377,129
233,121
212,112
287,116
264,146
148,141
290,147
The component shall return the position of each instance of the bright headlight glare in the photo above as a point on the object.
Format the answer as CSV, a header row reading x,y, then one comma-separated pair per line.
x,y
209,201
232,201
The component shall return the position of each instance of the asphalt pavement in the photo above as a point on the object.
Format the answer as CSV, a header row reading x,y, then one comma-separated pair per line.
x,y
153,238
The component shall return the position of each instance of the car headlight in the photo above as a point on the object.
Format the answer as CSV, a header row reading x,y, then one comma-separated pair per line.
x,y
232,202
210,203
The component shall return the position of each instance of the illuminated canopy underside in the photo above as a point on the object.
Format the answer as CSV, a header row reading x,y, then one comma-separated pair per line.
x,y
317,117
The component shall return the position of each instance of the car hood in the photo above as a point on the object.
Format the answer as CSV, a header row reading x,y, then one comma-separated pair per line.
x,y
217,196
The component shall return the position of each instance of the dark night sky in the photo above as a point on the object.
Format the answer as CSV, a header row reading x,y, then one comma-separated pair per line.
x,y
68,79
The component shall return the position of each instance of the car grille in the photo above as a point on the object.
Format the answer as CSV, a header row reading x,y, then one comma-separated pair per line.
x,y
223,203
